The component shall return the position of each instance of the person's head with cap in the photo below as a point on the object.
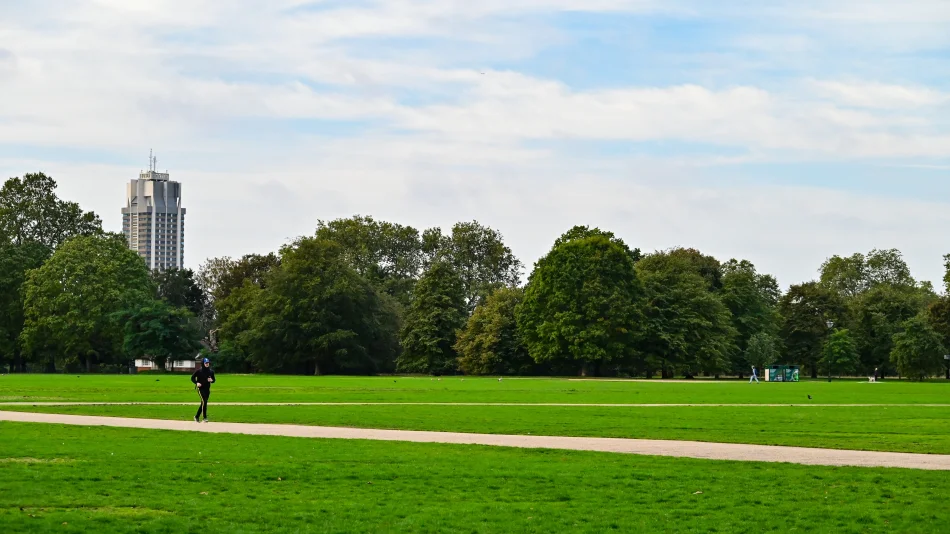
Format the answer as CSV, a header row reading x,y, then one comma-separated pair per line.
x,y
206,362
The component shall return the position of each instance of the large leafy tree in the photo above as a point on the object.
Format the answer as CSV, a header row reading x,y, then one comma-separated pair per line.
x,y
580,232
238,316
877,315
946,274
708,267
179,289
839,354
314,314
938,314
435,315
30,211
70,301
218,277
490,342
761,351
687,327
15,262
751,298
480,257
853,275
389,255
582,305
805,310
918,349
159,332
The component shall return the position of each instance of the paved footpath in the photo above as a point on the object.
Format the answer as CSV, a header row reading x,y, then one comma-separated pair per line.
x,y
522,404
685,449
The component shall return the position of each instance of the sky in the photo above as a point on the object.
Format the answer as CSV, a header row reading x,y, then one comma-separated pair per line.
x,y
778,131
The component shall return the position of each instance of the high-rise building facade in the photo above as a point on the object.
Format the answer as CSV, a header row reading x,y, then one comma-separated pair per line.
x,y
154,220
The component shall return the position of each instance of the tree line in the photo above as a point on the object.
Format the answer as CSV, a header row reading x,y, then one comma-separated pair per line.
x,y
363,296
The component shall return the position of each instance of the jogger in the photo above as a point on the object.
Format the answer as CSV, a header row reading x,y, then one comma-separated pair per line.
x,y
202,378
754,376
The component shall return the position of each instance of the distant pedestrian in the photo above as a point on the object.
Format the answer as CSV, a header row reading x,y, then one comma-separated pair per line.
x,y
755,376
875,374
202,378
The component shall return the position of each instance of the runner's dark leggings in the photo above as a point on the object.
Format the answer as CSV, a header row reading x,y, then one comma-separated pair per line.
x,y
204,393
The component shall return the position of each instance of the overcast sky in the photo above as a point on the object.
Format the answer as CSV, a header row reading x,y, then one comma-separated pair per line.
x,y
780,131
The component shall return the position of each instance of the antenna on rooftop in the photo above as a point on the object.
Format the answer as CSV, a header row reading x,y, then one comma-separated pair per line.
x,y
150,160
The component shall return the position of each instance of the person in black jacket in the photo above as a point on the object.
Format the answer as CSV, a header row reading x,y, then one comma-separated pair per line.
x,y
202,378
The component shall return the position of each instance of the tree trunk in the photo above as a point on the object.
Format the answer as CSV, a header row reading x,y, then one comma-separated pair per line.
x,y
51,365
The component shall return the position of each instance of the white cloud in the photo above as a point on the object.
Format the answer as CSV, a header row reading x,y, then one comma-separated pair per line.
x,y
880,95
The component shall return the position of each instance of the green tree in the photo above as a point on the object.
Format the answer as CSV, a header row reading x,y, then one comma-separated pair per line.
x,y
30,211
946,274
938,314
878,314
434,317
751,298
316,315
159,332
238,315
15,262
856,274
708,267
918,350
580,232
388,255
687,327
490,342
70,301
839,354
805,310
582,305
179,289
218,277
761,350
480,257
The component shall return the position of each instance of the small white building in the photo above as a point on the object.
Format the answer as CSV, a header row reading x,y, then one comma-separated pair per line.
x,y
175,366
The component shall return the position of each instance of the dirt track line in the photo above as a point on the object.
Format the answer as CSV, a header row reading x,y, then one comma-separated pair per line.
x,y
683,449
525,404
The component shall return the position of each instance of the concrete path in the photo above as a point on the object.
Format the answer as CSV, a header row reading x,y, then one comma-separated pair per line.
x,y
528,404
686,449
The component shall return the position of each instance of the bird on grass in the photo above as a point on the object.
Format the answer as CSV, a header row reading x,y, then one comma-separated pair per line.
x,y
809,397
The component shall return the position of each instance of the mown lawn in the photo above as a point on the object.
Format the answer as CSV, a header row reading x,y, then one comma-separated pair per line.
x,y
902,429
269,388
77,479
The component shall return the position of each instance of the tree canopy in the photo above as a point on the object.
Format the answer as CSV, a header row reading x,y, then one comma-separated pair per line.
x,y
490,343
583,304
30,211
687,327
435,315
918,350
70,301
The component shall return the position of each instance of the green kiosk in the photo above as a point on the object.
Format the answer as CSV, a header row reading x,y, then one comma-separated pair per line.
x,y
782,373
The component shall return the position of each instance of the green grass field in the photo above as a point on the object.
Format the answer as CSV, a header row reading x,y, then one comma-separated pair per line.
x,y
158,388
907,427
75,479
126,480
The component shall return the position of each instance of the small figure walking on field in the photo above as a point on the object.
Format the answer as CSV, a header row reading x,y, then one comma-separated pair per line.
x,y
202,379
874,378
754,376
